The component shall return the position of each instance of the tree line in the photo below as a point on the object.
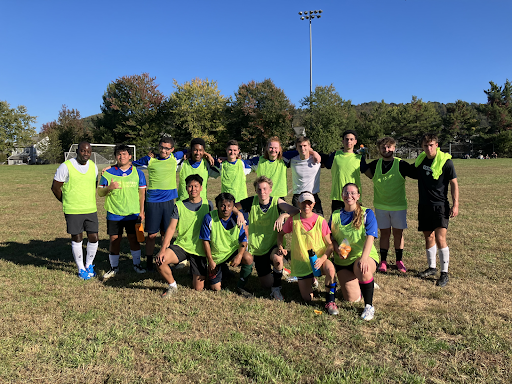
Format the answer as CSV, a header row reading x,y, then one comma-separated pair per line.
x,y
135,112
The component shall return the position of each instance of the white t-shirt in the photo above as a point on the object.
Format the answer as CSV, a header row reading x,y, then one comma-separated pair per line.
x,y
305,175
62,173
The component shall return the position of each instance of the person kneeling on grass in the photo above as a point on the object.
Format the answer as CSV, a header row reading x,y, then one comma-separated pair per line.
x,y
124,187
224,242
355,272
187,217
310,232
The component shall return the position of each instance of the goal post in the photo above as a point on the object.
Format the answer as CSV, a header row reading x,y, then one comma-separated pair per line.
x,y
102,154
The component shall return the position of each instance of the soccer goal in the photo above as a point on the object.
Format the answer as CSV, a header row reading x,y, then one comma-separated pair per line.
x,y
101,153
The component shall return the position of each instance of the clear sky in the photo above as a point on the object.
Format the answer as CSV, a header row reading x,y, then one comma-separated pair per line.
x,y
67,52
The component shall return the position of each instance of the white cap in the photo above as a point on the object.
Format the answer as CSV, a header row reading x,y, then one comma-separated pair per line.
x,y
306,196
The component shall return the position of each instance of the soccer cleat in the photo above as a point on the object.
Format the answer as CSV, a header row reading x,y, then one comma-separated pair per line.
x,y
276,294
171,290
242,292
443,279
113,271
137,268
90,271
368,312
400,266
315,283
83,274
332,308
427,272
383,267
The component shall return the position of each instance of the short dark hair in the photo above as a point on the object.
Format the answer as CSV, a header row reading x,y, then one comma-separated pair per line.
x,y
121,148
349,132
224,196
428,137
167,139
197,140
388,140
194,177
302,139
232,142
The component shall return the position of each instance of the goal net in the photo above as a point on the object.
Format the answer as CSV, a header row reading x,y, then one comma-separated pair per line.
x,y
101,153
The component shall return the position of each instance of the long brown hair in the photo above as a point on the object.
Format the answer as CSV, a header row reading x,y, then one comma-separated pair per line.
x,y
357,219
274,139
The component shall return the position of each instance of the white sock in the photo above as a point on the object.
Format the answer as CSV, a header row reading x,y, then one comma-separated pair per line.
x,y
444,258
431,256
114,260
173,285
78,254
135,256
92,248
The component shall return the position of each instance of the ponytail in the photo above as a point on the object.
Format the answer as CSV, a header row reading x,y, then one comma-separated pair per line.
x,y
357,219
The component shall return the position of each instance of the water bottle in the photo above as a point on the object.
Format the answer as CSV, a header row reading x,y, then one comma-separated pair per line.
x,y
312,259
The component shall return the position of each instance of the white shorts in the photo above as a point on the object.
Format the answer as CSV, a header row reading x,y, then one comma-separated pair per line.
x,y
388,219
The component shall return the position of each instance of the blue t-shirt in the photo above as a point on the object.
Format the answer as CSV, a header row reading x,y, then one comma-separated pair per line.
x,y
370,221
115,171
206,227
159,195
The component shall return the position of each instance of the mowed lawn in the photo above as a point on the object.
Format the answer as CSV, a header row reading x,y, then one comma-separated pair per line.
x,y
56,328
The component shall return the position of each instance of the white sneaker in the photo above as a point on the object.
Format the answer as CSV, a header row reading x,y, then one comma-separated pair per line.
x,y
113,271
137,268
276,294
368,313
315,283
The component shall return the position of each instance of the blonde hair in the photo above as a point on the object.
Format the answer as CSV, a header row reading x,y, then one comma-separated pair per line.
x,y
274,139
357,219
262,179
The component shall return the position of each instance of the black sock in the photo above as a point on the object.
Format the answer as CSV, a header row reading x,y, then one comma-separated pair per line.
x,y
278,275
330,292
367,291
149,261
399,253
383,254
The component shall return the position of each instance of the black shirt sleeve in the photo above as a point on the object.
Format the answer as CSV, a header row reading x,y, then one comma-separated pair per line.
x,y
247,204
407,170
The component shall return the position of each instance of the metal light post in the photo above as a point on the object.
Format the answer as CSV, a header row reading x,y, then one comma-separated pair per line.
x,y
310,16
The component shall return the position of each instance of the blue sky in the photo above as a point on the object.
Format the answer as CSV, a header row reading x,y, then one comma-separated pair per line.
x,y
67,52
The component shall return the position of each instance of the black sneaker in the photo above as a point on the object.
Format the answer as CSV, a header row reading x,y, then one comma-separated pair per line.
x,y
427,272
443,279
242,292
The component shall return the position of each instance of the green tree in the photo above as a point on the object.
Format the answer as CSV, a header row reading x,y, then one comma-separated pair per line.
x,y
461,121
196,109
498,109
131,112
258,111
408,122
327,116
373,124
15,127
67,130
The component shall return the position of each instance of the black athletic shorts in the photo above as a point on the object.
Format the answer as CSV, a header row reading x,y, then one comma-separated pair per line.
x,y
217,278
263,263
180,253
116,227
431,217
79,223
198,265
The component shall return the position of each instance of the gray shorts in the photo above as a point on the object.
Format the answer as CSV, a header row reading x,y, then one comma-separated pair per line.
x,y
388,219
77,224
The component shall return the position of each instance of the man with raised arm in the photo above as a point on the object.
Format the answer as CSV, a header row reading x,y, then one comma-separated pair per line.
x,y
74,184
124,189
389,200
435,171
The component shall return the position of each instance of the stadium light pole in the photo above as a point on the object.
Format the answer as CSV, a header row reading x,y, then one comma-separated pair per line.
x,y
310,16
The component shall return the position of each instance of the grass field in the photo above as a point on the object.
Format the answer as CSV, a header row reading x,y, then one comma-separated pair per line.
x,y
56,328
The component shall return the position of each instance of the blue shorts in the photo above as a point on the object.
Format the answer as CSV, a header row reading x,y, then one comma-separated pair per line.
x,y
158,216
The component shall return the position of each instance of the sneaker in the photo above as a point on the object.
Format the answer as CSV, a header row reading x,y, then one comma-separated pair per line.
x,y
443,279
242,292
113,271
137,268
171,290
276,294
400,266
83,274
315,283
332,308
427,272
368,312
292,279
90,271
383,266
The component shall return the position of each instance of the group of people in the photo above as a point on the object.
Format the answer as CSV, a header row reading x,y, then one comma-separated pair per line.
x,y
250,231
